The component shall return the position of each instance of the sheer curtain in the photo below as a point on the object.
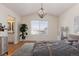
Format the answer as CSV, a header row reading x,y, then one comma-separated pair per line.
x,y
76,24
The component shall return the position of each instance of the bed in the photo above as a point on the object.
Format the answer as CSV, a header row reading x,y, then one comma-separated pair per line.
x,y
59,48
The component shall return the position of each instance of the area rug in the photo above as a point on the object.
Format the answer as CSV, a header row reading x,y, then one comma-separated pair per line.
x,y
25,50
47,49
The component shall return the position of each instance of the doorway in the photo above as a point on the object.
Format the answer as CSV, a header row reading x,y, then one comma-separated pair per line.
x,y
11,29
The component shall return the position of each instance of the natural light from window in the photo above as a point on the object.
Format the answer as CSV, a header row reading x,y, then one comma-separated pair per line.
x,y
39,27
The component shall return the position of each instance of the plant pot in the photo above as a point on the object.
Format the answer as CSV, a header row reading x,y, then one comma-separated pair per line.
x,y
23,37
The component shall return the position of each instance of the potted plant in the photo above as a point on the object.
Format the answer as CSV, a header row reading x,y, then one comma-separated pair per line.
x,y
23,31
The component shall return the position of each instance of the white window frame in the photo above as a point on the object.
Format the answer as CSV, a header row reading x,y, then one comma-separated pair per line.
x,y
39,27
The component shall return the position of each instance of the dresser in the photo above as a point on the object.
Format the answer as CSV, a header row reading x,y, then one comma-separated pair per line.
x,y
3,45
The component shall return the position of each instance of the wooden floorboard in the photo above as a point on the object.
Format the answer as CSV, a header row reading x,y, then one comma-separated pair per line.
x,y
13,47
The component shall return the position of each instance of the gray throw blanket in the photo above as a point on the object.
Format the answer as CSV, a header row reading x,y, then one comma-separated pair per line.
x,y
54,49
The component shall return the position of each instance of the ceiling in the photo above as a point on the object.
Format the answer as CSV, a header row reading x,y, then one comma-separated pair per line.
x,y
29,8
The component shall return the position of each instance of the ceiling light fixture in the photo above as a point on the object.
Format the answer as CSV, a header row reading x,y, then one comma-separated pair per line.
x,y
41,12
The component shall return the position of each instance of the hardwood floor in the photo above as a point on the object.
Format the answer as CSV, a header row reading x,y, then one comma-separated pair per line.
x,y
13,47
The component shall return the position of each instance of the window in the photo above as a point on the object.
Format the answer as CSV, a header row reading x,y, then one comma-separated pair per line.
x,y
39,27
76,24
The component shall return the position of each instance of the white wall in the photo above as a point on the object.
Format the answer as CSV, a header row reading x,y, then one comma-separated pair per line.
x,y
52,27
67,18
4,12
